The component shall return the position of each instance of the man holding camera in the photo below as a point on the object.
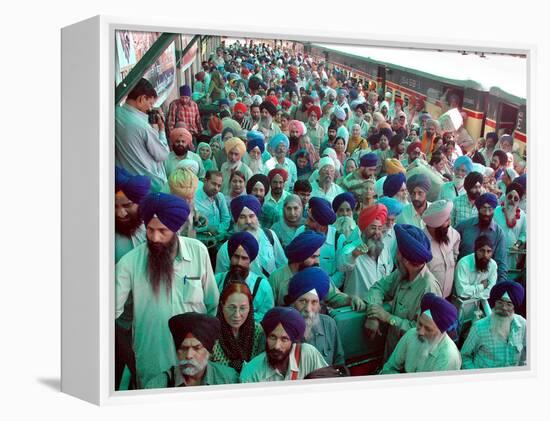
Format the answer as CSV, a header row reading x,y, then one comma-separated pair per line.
x,y
140,142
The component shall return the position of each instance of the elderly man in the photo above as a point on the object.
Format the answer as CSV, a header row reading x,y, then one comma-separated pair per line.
x,y
184,110
239,115
211,203
355,181
243,249
278,146
444,241
500,339
235,150
395,186
306,290
325,187
418,187
461,168
303,252
476,273
245,210
286,227
403,289
285,356
266,125
181,140
394,208
464,205
168,275
255,148
366,260
141,147
194,336
472,228
272,207
427,347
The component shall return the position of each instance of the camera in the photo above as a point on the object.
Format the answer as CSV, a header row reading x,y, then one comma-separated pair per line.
x,y
153,116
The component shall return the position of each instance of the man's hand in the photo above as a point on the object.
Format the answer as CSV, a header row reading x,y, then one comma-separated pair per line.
x,y
485,283
360,250
372,328
160,120
358,304
376,311
212,230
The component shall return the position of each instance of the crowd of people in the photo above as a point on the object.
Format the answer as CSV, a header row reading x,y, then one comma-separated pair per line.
x,y
276,189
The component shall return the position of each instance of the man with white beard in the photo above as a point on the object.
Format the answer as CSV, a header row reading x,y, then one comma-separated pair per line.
x,y
427,347
461,168
194,337
255,147
500,339
266,124
306,290
245,210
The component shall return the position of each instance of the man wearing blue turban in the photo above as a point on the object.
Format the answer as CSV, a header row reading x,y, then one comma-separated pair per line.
x,y
462,166
500,339
483,224
403,289
427,347
167,275
278,147
306,290
243,249
285,357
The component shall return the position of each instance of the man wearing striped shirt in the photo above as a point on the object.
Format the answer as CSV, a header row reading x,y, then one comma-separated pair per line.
x,y
464,205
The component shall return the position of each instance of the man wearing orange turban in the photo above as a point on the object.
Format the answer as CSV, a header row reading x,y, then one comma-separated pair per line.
x,y
181,144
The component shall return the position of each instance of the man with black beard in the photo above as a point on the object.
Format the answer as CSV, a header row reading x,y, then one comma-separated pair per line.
x,y
180,142
306,290
464,204
476,273
483,224
243,249
285,357
500,339
129,233
366,260
167,275
418,186
445,241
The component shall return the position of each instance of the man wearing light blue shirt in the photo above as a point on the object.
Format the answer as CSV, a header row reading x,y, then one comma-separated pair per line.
x,y
210,203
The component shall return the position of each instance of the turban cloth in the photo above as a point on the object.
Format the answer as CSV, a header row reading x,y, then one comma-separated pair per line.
x,y
189,164
245,201
273,99
235,142
204,145
368,160
297,125
278,139
393,184
206,329
419,180
277,171
522,179
255,138
502,157
443,313
491,135
303,246
326,160
314,109
394,207
134,187
185,90
215,125
386,132
339,113
292,321
269,106
239,106
413,244
229,123
394,166
343,133
341,198
321,211
472,179
312,278
437,213
293,71
395,140
514,289
343,92
511,173
370,214
200,76
286,104
413,146
466,161
180,131
171,210
257,178
223,101
515,186
247,241
489,198
482,241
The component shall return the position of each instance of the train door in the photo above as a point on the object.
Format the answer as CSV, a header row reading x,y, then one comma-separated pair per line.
x,y
506,118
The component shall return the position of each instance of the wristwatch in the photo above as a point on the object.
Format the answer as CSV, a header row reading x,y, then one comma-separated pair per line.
x,y
392,321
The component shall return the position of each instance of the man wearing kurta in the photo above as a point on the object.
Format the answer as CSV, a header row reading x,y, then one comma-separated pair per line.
x,y
418,186
166,276
403,289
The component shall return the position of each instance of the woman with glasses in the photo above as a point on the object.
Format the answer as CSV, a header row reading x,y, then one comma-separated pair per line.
x,y
241,338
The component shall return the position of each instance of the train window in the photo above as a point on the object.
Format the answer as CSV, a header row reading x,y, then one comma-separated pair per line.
x,y
507,117
452,97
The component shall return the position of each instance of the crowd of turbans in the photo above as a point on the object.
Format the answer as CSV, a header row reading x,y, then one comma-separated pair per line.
x,y
283,220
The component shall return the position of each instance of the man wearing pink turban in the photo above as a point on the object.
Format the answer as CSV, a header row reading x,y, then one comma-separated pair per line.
x,y
181,143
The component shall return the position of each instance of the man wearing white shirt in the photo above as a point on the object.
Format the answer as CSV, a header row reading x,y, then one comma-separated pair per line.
x,y
325,187
278,146
418,186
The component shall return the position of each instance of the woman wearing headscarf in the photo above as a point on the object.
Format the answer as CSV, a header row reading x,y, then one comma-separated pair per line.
x,y
207,157
241,338
356,140
292,219
340,148
304,166
237,185
216,90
